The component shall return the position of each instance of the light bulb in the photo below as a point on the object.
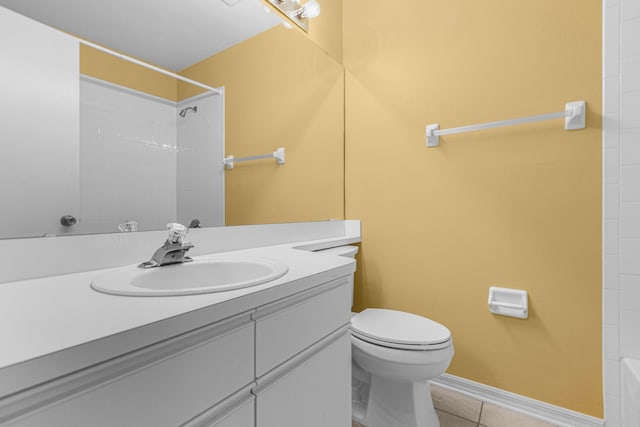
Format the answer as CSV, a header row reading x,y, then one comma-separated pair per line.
x,y
311,9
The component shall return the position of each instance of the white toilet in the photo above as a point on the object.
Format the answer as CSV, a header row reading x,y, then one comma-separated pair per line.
x,y
394,355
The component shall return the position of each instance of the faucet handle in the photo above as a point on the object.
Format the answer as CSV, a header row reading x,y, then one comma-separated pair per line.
x,y
177,232
128,226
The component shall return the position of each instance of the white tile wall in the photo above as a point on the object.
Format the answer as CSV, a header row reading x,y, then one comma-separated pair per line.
x,y
611,165
629,224
630,257
613,412
611,376
139,160
630,146
200,179
611,344
629,336
611,85
629,179
630,10
611,271
611,236
611,306
621,201
128,159
629,105
629,34
611,199
630,66
630,293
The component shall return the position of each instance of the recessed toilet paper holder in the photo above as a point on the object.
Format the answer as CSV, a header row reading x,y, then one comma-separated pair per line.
x,y
509,302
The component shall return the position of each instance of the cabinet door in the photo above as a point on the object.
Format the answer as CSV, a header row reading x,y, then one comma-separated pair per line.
x,y
314,392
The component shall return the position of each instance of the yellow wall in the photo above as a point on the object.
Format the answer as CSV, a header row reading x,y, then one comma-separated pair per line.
x,y
326,29
516,207
106,67
280,90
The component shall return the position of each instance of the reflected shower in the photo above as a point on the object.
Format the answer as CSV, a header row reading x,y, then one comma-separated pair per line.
x,y
184,111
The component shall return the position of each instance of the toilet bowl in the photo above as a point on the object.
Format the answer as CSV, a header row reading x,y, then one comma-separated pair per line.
x,y
394,355
398,353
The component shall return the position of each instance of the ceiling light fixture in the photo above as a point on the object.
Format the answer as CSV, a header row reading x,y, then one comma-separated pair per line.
x,y
299,14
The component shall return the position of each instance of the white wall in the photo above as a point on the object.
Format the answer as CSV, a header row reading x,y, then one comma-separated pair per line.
x,y
38,114
621,184
128,159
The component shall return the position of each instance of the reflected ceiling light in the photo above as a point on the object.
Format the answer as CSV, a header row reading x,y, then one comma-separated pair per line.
x,y
298,13
311,9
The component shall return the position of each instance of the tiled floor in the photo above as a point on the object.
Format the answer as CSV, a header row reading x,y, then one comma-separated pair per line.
x,y
457,410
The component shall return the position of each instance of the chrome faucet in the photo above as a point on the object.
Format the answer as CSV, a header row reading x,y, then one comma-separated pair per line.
x,y
173,250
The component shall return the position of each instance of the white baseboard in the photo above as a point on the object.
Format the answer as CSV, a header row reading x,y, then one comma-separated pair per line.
x,y
546,412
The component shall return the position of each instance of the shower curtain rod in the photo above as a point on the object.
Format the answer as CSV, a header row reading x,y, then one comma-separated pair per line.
x,y
574,114
149,66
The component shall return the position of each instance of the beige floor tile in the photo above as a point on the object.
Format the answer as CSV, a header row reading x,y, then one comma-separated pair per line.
x,y
450,420
456,403
355,424
495,416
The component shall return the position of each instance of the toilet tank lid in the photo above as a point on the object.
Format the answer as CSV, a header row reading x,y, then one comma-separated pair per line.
x,y
399,327
348,251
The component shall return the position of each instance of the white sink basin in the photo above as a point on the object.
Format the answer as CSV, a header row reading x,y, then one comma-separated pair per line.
x,y
197,277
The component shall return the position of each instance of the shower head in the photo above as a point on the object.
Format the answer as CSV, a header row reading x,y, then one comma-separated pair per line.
x,y
184,111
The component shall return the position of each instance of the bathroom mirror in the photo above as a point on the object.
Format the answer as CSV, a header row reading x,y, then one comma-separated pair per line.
x,y
280,90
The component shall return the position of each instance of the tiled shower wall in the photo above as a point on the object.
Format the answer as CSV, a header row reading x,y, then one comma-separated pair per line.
x,y
621,185
128,158
200,179
141,161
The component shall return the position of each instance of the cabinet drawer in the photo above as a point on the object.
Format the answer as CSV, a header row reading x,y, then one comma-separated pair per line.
x,y
237,410
242,416
315,393
288,326
163,385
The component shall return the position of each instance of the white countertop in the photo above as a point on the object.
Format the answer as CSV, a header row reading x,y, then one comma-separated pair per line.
x,y
56,325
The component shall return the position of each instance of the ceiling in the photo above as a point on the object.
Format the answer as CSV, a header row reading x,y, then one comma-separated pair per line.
x,y
173,34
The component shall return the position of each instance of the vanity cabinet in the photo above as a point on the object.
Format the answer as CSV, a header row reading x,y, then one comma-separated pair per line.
x,y
165,384
283,364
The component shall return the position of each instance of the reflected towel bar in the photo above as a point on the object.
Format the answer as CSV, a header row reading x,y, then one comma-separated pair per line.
x,y
574,115
278,155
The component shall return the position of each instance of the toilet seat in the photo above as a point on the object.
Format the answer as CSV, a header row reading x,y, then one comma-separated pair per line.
x,y
400,330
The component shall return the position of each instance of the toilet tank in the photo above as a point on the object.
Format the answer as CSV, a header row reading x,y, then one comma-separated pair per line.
x,y
348,251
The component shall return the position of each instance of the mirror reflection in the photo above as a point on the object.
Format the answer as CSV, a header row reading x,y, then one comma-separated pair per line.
x,y
147,153
99,145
